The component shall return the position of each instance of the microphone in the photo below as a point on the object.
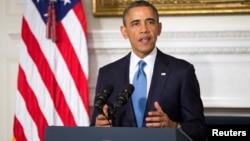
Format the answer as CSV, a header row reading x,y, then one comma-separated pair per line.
x,y
102,97
122,98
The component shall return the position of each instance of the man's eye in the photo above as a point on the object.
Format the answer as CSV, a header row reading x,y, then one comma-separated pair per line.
x,y
135,24
151,22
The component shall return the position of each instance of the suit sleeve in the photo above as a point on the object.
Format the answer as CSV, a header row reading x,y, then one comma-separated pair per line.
x,y
192,107
98,89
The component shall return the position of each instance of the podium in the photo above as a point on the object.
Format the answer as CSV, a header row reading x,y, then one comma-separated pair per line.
x,y
62,133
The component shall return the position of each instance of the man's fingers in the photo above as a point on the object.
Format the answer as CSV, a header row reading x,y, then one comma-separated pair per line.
x,y
105,110
157,106
101,120
158,111
156,125
153,119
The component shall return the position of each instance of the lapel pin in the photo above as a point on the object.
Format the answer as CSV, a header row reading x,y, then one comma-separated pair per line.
x,y
163,74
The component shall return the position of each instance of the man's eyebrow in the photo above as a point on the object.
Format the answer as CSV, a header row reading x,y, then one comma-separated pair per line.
x,y
137,20
150,19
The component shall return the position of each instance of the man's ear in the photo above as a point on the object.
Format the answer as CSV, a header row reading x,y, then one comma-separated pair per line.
x,y
159,29
124,32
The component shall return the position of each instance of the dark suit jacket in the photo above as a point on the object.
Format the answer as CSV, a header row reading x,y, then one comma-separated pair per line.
x,y
177,92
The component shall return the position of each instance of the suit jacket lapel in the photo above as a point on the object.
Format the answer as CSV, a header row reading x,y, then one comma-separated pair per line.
x,y
122,80
159,79
122,73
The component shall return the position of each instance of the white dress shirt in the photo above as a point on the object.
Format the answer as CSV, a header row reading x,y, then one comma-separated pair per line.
x,y
148,69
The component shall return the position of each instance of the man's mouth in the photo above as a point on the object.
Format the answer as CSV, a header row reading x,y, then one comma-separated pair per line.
x,y
145,40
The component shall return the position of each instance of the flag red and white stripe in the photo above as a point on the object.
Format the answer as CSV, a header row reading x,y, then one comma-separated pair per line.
x,y
52,86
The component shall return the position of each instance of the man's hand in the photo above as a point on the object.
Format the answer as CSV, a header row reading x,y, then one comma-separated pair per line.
x,y
102,119
159,119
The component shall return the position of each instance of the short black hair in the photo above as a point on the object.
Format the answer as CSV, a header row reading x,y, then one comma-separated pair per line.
x,y
139,3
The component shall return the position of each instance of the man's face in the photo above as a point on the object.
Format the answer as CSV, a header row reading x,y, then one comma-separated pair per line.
x,y
142,29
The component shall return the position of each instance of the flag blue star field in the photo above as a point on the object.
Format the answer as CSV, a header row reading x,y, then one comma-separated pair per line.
x,y
52,79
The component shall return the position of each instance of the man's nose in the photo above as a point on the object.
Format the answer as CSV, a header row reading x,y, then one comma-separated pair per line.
x,y
144,28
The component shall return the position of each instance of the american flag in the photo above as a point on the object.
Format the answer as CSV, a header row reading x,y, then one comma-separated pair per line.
x,y
52,86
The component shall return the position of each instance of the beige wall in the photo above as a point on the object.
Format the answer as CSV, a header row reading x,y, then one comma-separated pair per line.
x,y
218,46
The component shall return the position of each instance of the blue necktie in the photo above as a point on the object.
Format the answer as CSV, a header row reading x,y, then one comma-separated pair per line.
x,y
140,92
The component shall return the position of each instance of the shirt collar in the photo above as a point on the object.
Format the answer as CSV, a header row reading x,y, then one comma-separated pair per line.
x,y
149,59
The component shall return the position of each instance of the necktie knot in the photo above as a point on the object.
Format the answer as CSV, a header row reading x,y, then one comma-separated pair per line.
x,y
140,71
141,64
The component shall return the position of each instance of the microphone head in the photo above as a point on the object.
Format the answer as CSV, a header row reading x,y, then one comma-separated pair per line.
x,y
129,89
122,98
102,97
125,94
108,89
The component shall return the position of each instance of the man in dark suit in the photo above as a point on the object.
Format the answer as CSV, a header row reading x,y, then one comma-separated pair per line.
x,y
172,89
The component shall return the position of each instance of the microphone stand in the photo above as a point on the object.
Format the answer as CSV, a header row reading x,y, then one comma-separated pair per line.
x,y
111,115
121,99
